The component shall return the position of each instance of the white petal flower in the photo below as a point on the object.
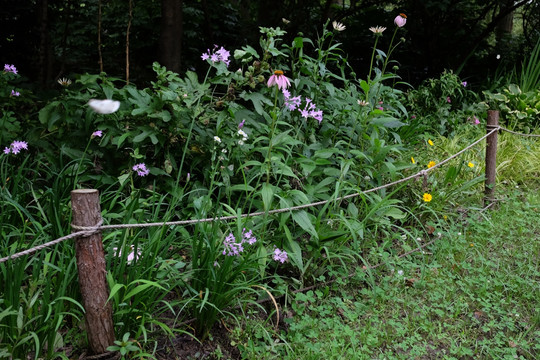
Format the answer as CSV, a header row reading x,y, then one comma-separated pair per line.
x,y
104,106
338,26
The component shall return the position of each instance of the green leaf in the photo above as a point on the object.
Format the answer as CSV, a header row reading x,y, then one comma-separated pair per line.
x,y
257,99
267,193
302,218
146,284
294,252
388,122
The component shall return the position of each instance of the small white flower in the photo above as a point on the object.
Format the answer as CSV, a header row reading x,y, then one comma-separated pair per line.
x,y
338,26
400,272
230,167
242,134
377,29
224,151
418,239
217,139
498,56
104,106
458,234
362,102
240,142
64,82
404,237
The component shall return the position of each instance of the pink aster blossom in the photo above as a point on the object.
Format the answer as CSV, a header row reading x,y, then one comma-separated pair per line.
x,y
279,79
97,133
448,100
280,255
141,169
400,20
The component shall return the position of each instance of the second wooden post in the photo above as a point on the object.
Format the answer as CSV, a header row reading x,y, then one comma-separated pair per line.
x,y
491,157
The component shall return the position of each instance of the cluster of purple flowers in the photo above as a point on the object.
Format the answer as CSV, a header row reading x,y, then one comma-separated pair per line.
x,y
141,169
16,147
232,248
280,255
217,55
10,68
309,110
15,93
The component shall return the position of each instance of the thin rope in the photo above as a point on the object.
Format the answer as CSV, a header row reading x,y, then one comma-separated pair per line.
x,y
517,133
86,231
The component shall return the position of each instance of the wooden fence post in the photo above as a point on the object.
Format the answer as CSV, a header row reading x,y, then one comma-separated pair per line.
x,y
92,271
491,157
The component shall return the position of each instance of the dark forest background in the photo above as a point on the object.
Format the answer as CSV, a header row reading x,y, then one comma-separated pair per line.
x,y
51,39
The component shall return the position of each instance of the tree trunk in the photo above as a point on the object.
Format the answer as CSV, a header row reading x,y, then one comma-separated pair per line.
x,y
171,34
506,24
45,56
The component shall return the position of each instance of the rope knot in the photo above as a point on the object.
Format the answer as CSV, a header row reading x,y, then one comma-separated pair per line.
x,y
88,230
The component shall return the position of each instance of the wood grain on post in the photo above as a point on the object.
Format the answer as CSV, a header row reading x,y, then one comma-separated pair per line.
x,y
491,156
92,271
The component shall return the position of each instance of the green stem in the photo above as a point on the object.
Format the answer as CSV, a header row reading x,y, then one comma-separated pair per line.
x,y
80,163
175,196
390,49
371,63
272,130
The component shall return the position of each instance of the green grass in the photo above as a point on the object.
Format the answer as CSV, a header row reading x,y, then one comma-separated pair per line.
x,y
473,294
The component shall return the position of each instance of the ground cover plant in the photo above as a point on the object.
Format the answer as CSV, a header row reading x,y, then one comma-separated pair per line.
x,y
472,294
270,128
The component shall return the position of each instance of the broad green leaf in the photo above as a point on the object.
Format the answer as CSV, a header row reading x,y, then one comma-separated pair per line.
x,y
267,193
302,218
258,100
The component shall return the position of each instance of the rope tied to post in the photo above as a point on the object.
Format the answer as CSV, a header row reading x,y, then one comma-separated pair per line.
x,y
88,230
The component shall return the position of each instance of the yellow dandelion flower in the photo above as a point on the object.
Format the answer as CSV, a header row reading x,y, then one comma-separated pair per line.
x,y
427,197
412,160
431,164
471,244
430,142
471,165
445,217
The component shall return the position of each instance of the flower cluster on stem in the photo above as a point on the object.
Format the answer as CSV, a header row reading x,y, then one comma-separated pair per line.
x,y
216,56
16,147
141,169
280,255
309,110
10,68
232,248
